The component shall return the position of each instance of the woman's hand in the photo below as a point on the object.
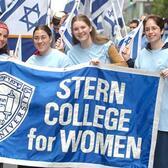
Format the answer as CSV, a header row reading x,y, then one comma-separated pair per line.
x,y
13,58
164,73
59,45
95,61
126,53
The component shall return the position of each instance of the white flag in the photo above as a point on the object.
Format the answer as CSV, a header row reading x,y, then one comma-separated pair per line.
x,y
65,29
24,15
133,40
18,49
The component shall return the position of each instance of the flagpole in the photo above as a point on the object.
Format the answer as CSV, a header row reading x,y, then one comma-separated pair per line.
x,y
18,49
49,13
122,17
115,15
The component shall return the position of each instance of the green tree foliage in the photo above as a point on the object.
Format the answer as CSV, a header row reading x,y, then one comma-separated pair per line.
x,y
160,7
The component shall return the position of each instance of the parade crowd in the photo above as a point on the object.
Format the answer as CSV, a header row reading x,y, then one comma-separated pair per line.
x,y
89,46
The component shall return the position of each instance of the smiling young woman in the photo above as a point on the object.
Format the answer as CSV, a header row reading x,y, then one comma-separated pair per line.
x,y
89,45
45,55
4,33
155,58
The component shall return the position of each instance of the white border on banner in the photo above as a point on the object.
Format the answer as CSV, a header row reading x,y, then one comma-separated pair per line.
x,y
87,64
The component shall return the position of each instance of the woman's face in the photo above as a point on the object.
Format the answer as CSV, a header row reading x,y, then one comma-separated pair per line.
x,y
153,31
42,41
3,37
81,31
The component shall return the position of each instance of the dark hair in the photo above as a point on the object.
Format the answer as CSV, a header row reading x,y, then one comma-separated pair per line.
x,y
157,19
166,20
45,28
4,50
56,19
96,38
134,21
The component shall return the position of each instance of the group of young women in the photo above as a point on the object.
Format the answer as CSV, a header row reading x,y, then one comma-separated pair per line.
x,y
88,46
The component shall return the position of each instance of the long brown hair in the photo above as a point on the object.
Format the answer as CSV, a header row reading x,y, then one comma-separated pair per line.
x,y
96,38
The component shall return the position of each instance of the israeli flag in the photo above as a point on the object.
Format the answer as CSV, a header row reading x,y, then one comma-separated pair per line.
x,y
98,24
69,6
107,16
94,9
98,7
24,15
117,9
85,7
133,40
109,23
65,29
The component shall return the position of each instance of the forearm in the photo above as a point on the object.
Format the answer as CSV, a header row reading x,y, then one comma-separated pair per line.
x,y
115,57
121,64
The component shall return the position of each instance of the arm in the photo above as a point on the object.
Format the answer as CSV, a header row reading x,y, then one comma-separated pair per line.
x,y
164,73
115,57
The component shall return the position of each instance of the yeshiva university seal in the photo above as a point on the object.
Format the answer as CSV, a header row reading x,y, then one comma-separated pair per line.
x,y
15,96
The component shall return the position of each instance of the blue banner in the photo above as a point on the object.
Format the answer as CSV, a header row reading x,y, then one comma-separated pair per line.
x,y
27,46
82,116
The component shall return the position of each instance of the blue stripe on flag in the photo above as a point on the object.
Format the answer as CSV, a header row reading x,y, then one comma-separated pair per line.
x,y
97,4
2,5
9,13
135,46
97,23
69,6
42,20
112,24
68,38
83,1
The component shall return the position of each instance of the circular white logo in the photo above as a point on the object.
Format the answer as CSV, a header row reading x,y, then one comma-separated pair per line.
x,y
15,96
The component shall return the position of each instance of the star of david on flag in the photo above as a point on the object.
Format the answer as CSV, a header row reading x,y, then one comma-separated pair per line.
x,y
27,20
24,15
